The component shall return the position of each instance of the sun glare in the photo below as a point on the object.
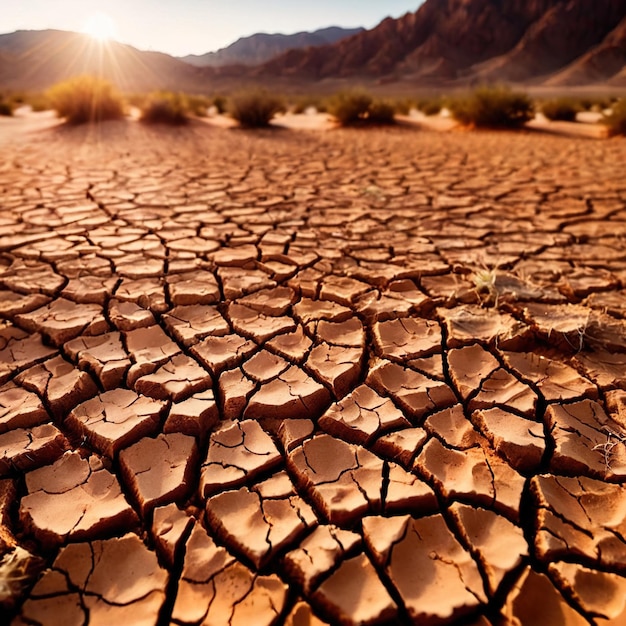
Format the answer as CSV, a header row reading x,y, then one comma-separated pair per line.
x,y
100,26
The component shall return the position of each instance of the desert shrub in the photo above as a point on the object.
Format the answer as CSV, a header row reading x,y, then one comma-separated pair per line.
x,y
616,120
381,112
165,107
86,99
255,109
403,106
199,105
430,106
38,102
492,107
562,109
350,107
220,103
6,108
358,107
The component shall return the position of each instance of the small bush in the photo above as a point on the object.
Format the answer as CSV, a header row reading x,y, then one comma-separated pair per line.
x,y
86,99
38,102
255,109
199,105
381,112
220,103
430,106
403,106
493,107
352,108
6,108
165,107
561,109
616,120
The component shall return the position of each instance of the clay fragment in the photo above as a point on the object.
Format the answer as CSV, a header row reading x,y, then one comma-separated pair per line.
x,y
519,441
534,600
320,552
236,454
118,581
354,595
416,394
115,419
580,431
257,526
20,408
344,481
176,380
159,471
196,416
407,338
74,499
582,517
554,380
26,449
170,528
436,578
362,416
192,323
62,320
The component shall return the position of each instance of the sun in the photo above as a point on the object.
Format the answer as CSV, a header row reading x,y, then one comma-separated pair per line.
x,y
100,26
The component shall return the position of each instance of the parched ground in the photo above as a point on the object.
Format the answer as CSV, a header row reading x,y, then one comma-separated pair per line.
x,y
303,377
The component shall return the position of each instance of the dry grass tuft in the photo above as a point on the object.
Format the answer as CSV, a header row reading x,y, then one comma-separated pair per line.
x,y
165,107
493,107
352,108
616,120
86,99
255,109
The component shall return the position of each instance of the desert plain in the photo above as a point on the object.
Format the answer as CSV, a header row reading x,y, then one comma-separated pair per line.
x,y
311,376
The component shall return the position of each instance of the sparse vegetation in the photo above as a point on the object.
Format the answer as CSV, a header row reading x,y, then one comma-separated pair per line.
x,y
255,109
220,103
403,106
352,108
430,106
86,99
38,102
6,108
15,574
165,107
562,109
492,107
616,120
199,105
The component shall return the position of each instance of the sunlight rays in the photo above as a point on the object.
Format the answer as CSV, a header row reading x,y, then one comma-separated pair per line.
x,y
101,27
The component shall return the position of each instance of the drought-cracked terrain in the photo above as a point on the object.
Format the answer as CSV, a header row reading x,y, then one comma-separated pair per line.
x,y
296,377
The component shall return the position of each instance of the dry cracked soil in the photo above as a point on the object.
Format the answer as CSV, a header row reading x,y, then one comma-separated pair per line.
x,y
303,378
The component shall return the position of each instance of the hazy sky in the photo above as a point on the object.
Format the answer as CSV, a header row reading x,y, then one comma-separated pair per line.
x,y
182,27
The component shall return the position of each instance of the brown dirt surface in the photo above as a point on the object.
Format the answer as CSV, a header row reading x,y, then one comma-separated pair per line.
x,y
308,376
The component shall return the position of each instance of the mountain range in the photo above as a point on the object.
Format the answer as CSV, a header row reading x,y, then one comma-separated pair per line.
x,y
262,47
446,43
560,42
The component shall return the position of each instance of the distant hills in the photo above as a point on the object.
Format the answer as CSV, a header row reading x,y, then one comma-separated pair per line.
x,y
35,60
262,47
445,43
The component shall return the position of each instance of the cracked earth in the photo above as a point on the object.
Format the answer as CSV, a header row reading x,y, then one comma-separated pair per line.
x,y
309,378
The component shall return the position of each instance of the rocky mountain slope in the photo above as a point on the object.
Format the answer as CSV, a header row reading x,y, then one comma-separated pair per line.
x,y
262,47
469,40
